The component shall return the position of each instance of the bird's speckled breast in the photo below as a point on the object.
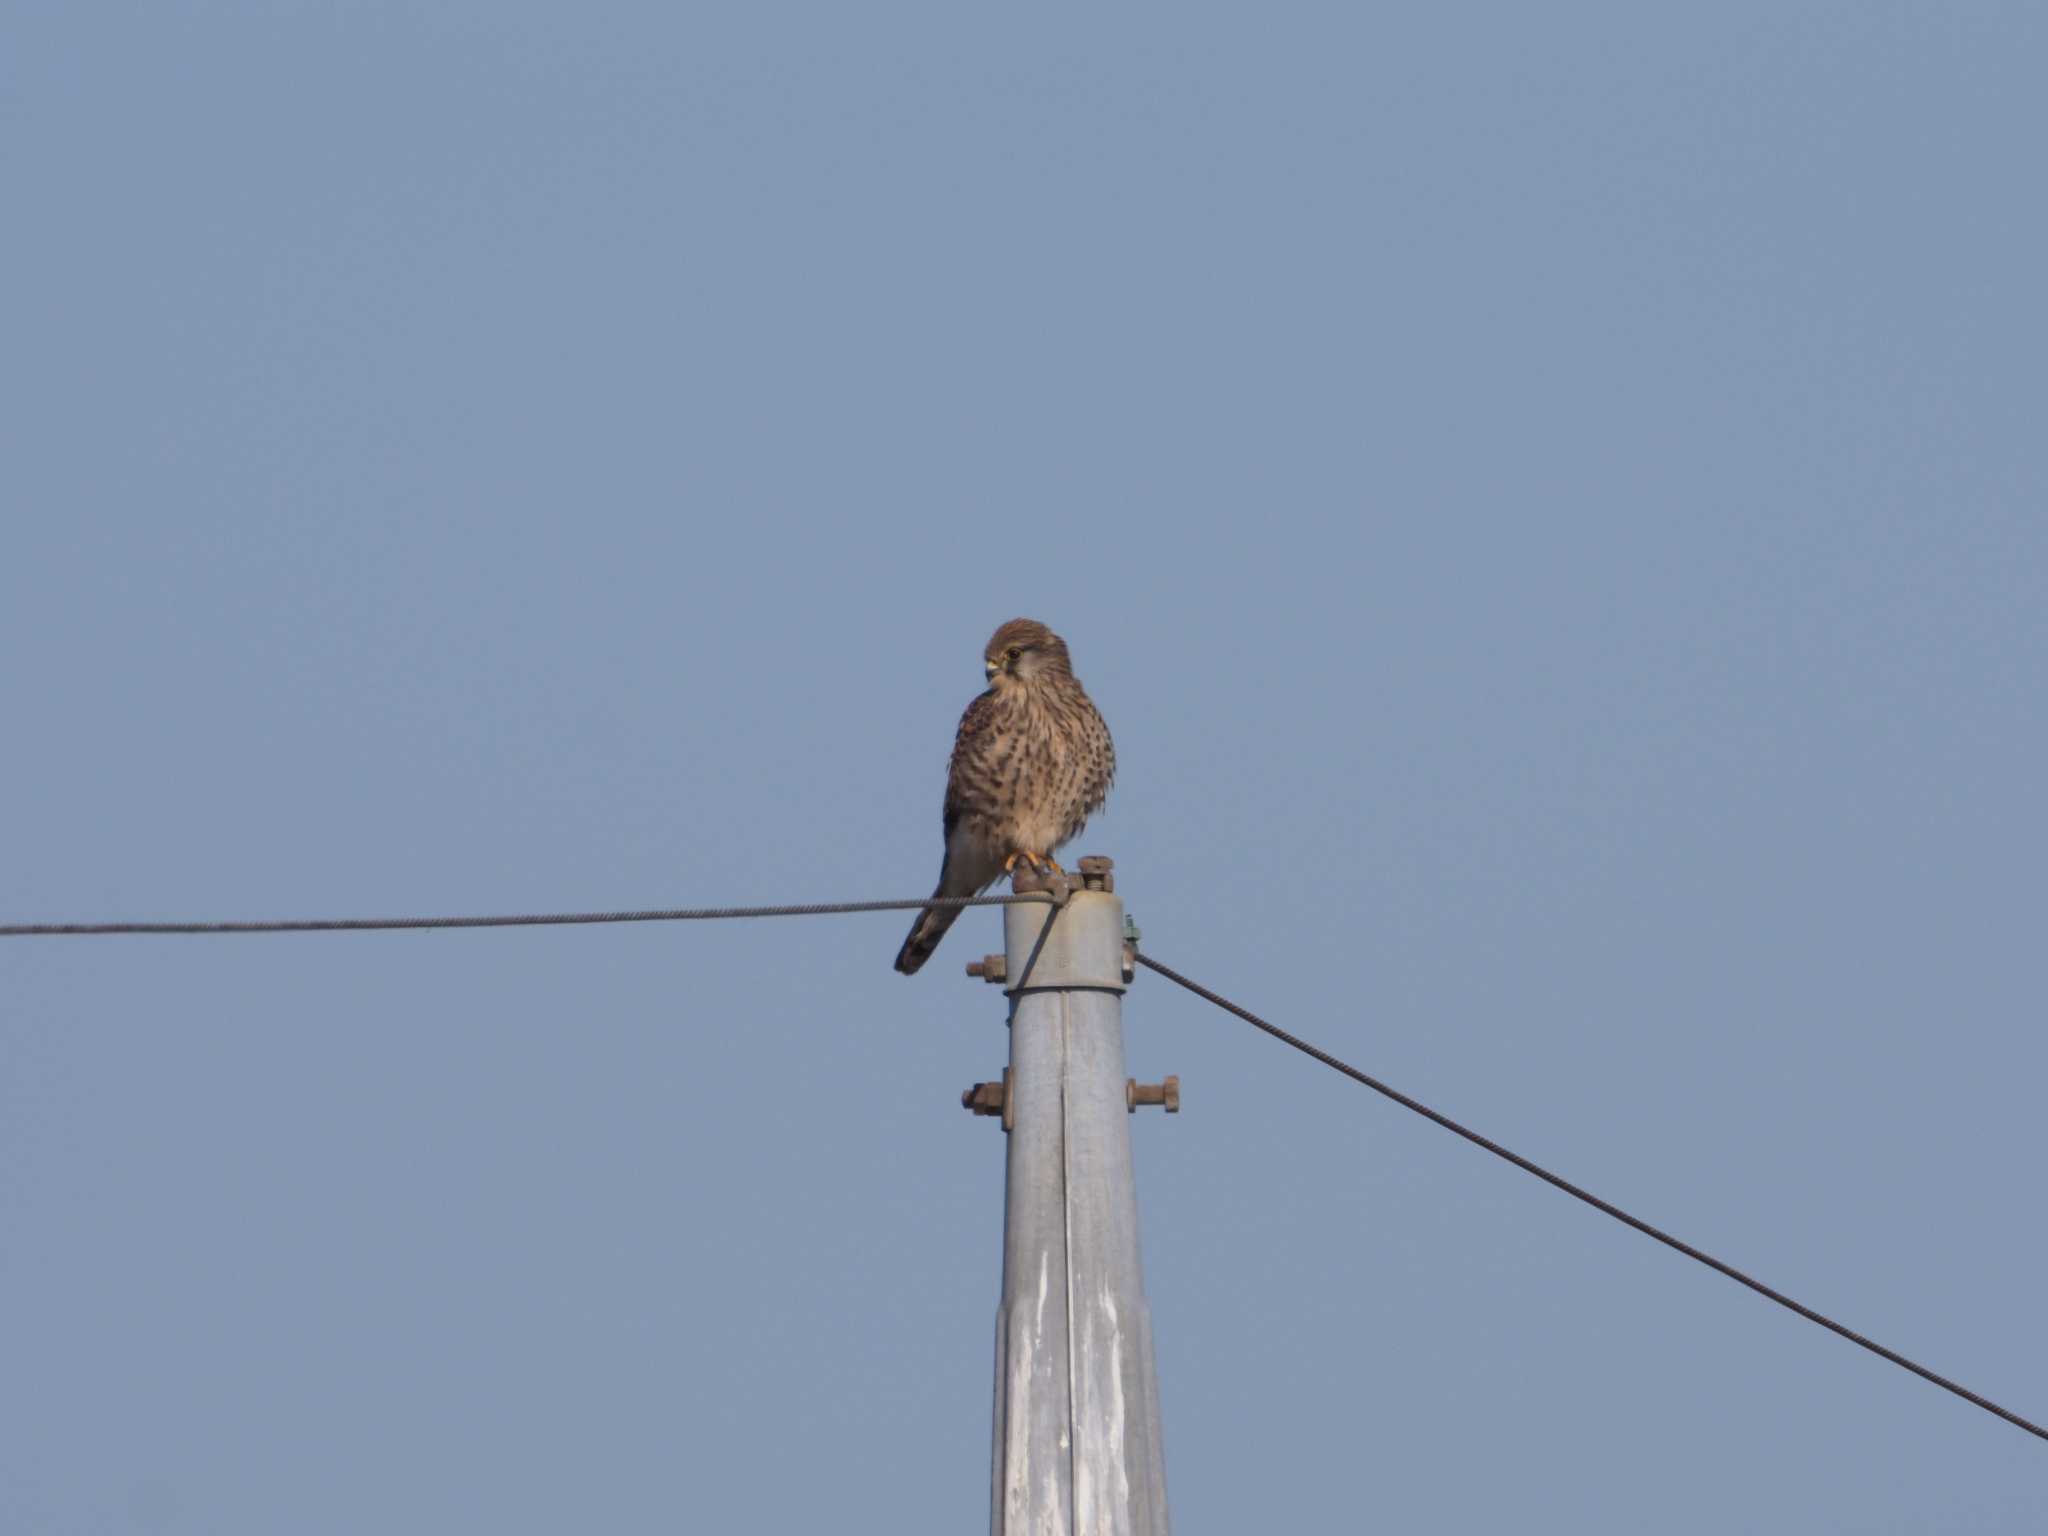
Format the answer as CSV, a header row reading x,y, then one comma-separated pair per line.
x,y
1036,764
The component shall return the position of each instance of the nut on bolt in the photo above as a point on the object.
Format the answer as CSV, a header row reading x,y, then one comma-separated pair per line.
x,y
990,1099
1095,873
983,1099
1166,1094
990,968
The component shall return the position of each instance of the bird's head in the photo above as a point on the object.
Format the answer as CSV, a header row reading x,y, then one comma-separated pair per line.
x,y
1022,652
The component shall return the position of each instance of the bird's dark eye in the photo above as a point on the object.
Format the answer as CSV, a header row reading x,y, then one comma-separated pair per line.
x,y
1014,652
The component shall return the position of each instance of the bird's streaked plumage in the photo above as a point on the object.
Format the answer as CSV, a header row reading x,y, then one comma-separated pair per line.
x,y
1032,760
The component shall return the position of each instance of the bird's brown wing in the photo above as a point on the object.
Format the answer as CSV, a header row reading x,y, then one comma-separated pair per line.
x,y
964,870
970,745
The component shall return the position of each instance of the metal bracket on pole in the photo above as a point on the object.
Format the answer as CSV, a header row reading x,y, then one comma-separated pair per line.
x,y
1077,1439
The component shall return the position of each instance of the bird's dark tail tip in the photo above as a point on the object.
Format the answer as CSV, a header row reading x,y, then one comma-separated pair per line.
x,y
925,933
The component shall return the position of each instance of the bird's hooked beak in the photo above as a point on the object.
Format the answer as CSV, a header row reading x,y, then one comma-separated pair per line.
x,y
989,669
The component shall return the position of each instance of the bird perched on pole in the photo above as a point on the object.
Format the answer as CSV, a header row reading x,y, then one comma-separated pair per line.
x,y
1031,761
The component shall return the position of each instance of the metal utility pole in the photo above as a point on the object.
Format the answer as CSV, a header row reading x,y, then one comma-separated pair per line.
x,y
1077,1445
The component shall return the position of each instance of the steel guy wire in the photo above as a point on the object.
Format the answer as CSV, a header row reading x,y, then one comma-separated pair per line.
x,y
512,920
1592,1199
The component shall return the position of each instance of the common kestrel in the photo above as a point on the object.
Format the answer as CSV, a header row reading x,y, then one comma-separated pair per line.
x,y
1031,761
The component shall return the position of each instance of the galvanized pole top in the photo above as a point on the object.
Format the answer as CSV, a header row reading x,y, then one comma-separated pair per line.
x,y
1077,1440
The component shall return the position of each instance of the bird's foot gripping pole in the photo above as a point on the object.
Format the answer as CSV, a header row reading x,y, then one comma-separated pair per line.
x,y
1028,879
1090,875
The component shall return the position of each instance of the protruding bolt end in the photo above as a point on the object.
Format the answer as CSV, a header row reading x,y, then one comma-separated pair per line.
x,y
983,1099
1095,873
990,968
1166,1094
991,1099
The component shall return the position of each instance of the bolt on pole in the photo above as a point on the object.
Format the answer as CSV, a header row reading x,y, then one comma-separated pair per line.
x,y
1077,1440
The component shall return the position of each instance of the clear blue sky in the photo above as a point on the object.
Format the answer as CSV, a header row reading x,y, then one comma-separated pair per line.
x,y
1553,502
